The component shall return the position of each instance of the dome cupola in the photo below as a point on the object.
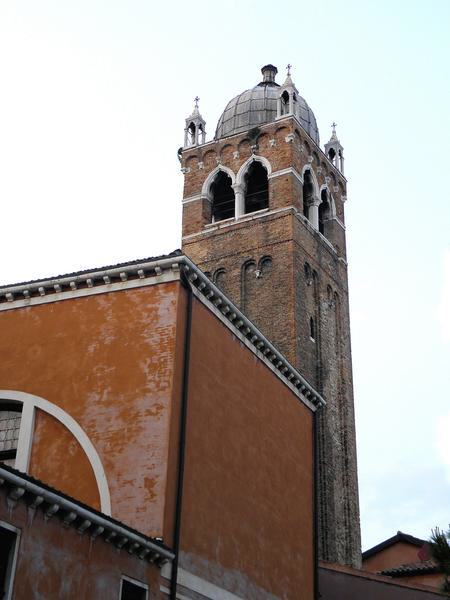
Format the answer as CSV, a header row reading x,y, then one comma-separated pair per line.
x,y
259,105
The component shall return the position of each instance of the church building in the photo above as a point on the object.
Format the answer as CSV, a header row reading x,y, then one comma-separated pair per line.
x,y
182,426
263,216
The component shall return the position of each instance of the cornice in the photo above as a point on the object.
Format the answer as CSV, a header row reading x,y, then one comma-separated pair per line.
x,y
80,517
151,272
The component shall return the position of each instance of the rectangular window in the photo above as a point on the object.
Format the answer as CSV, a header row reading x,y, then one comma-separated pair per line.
x,y
10,415
130,589
8,554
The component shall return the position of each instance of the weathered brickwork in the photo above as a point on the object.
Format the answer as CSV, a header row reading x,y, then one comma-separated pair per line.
x,y
292,283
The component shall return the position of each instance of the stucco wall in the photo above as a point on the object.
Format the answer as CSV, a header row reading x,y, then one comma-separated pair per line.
x,y
57,563
108,361
248,493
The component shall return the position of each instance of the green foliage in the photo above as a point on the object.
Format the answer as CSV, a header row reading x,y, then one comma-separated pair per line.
x,y
440,551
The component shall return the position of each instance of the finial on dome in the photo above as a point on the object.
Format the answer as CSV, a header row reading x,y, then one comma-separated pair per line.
x,y
288,69
269,72
196,99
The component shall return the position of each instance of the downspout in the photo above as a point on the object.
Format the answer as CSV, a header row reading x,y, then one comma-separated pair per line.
x,y
182,439
316,505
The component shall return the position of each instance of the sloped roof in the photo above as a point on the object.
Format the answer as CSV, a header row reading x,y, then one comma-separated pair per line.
x,y
399,537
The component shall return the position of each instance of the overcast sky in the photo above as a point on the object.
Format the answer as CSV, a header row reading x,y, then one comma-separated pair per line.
x,y
92,106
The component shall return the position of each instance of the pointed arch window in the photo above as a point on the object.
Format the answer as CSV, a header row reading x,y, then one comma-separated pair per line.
x,y
222,197
308,193
284,103
324,212
191,135
256,188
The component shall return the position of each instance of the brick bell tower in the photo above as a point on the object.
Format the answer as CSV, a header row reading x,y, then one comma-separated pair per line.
x,y
263,216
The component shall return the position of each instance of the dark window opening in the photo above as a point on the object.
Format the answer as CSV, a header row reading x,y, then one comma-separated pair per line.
x,y
191,134
132,591
308,193
10,416
284,103
8,540
257,188
312,329
331,154
324,212
222,197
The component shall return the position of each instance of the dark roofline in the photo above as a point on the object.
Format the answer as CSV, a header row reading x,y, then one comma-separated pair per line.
x,y
128,263
408,570
107,526
399,537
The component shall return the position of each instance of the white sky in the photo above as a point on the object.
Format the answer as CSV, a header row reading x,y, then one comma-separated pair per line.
x,y
92,106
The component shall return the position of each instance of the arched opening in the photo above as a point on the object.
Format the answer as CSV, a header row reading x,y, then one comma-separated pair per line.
x,y
191,135
256,188
324,211
331,154
222,197
312,329
200,134
284,103
219,278
308,193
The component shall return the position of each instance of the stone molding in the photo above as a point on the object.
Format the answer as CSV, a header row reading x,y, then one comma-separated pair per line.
x,y
147,272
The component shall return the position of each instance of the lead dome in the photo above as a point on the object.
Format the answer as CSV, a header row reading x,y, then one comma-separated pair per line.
x,y
258,106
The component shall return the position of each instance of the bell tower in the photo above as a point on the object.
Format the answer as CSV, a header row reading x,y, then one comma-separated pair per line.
x,y
263,216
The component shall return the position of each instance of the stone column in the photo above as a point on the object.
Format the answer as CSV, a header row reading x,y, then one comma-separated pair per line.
x,y
239,200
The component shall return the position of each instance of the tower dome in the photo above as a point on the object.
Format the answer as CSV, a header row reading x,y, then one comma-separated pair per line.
x,y
258,106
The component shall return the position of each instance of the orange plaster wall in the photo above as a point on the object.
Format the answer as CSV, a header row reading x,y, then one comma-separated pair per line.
x,y
248,492
108,361
54,444
392,556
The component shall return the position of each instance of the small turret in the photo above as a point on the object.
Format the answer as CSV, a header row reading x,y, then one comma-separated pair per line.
x,y
287,97
194,132
335,151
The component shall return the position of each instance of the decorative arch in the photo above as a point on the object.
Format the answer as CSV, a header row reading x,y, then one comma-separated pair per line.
x,y
206,188
330,198
30,403
240,177
308,167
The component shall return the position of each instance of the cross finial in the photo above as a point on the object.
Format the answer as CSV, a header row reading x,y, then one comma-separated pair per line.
x,y
196,99
333,125
288,68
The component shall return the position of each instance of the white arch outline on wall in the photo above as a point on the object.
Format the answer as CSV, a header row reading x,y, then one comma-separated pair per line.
x,y
209,180
245,166
30,403
330,198
308,167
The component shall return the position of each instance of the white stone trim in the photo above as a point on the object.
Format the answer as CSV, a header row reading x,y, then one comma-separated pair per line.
x,y
30,403
233,221
339,222
12,570
135,582
151,272
330,198
192,198
289,170
19,296
309,167
197,584
209,180
245,166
